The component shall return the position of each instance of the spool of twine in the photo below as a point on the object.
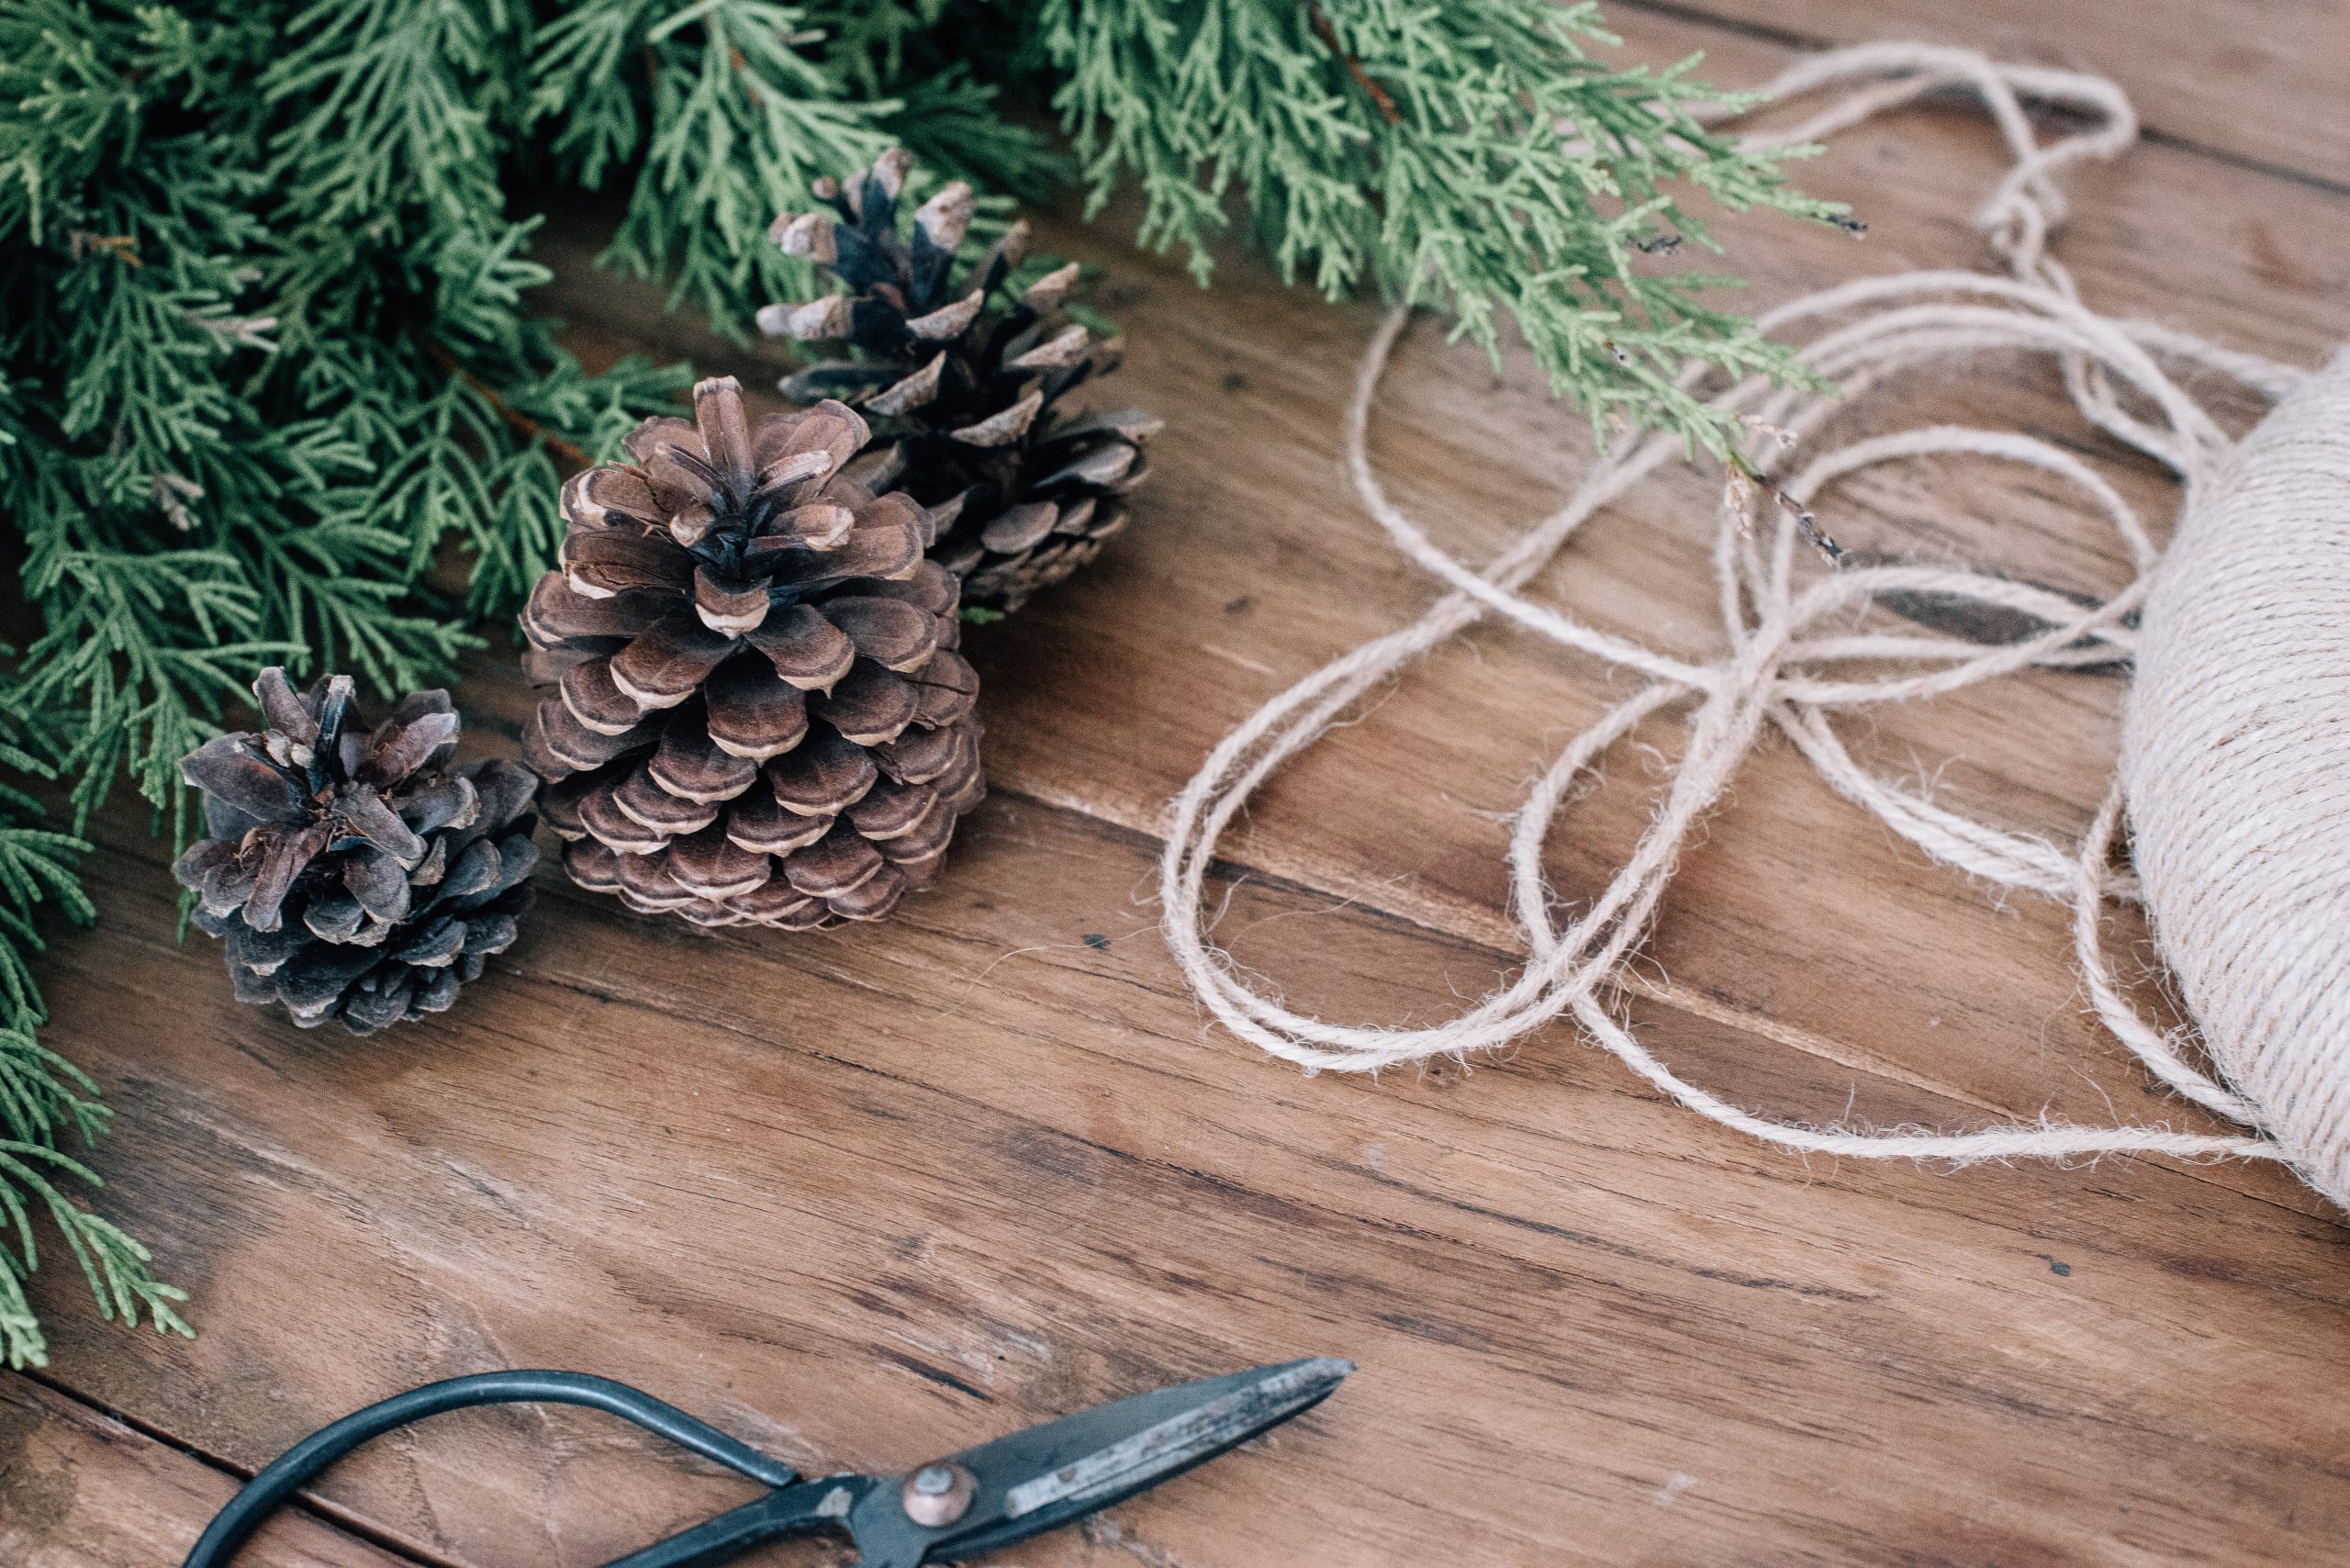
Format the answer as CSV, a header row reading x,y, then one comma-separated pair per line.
x,y
2236,758
2238,749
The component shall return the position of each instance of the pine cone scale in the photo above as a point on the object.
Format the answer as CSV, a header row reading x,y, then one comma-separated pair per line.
x,y
970,381
785,622
368,881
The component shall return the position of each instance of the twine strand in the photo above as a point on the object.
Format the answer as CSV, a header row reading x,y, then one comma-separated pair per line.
x,y
1788,663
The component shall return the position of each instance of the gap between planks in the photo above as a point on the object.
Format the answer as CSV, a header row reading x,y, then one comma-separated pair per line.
x,y
303,1506
142,865
2025,44
1678,998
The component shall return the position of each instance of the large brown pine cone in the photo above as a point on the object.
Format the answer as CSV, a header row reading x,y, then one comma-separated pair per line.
x,y
967,383
760,715
350,873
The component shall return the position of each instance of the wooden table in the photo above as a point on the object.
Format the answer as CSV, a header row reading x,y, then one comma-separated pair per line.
x,y
866,1195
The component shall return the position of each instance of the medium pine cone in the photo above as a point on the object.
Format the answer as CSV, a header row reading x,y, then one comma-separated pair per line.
x,y
967,385
350,873
760,715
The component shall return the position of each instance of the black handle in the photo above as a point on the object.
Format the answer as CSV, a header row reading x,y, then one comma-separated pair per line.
x,y
728,1536
234,1524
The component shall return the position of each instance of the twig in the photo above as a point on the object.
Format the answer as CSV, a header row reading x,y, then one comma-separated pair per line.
x,y
1807,525
1329,36
528,427
123,248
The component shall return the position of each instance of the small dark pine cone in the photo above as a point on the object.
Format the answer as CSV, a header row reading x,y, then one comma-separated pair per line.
x,y
966,384
351,874
759,714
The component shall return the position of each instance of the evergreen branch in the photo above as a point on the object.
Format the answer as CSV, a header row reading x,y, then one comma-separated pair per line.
x,y
524,426
1379,97
1474,157
44,1098
736,120
115,1263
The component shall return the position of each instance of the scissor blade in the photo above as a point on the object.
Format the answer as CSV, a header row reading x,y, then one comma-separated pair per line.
x,y
1033,1481
1205,1418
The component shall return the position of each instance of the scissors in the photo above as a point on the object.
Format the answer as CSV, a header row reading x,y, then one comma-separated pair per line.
x,y
968,1504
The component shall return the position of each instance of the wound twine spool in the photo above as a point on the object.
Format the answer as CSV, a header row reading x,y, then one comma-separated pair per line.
x,y
2236,757
2238,734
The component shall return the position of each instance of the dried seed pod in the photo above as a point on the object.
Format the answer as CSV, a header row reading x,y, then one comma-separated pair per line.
x,y
746,640
967,383
350,872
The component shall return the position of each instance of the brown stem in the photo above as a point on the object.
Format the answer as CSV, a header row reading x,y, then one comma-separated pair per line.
x,y
1806,524
529,428
1380,96
123,248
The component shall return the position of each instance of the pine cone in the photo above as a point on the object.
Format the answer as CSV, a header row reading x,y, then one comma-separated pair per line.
x,y
760,715
350,873
967,385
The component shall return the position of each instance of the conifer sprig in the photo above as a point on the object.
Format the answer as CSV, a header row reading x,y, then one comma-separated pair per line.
x,y
47,1103
1471,156
271,390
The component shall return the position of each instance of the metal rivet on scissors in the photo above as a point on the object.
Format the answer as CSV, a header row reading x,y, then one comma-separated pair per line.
x,y
976,1501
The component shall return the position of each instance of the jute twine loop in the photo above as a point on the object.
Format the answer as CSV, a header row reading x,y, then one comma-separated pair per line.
x,y
2249,907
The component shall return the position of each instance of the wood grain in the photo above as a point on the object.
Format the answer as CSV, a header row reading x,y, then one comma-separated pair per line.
x,y
868,1195
80,1490
2262,82
892,1191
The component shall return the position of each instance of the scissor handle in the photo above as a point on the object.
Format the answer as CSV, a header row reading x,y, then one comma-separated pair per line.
x,y
234,1524
811,1505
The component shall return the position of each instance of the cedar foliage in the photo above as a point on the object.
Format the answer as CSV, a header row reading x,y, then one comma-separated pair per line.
x,y
266,359
1472,156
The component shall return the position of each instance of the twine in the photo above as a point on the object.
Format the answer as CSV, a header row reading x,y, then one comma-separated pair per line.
x,y
2233,752
2259,942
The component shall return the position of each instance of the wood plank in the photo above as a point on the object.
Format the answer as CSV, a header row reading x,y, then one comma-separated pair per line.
x,y
1251,564
2262,82
864,1196
868,1195
81,1490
